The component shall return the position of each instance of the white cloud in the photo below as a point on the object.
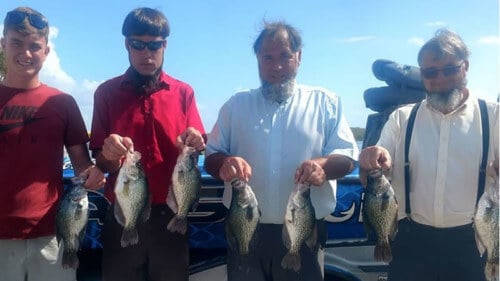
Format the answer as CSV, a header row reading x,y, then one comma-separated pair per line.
x,y
436,24
417,41
355,39
54,75
490,40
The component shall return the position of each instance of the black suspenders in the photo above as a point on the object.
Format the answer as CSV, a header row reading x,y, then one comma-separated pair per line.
x,y
482,171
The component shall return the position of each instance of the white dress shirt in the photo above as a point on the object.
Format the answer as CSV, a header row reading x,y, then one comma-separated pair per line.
x,y
445,156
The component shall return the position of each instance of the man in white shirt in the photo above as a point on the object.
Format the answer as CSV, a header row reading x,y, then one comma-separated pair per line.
x,y
274,137
435,240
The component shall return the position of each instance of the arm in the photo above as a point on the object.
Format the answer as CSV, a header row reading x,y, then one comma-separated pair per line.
x,y
114,149
226,167
373,157
84,167
317,171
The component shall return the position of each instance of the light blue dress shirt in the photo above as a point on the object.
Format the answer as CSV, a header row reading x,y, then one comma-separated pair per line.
x,y
276,138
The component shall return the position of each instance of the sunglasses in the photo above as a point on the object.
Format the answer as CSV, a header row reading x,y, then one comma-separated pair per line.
x,y
17,17
432,72
140,45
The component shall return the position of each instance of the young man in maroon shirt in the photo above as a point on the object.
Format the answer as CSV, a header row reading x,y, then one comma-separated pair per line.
x,y
148,111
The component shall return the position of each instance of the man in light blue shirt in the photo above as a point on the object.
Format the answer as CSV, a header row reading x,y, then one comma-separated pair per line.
x,y
274,137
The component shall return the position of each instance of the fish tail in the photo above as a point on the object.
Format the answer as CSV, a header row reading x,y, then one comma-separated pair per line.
x,y
70,260
382,252
129,237
491,271
291,261
177,224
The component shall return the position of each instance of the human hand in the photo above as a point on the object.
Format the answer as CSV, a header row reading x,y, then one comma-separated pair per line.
x,y
492,169
191,137
310,172
94,177
371,158
115,147
235,167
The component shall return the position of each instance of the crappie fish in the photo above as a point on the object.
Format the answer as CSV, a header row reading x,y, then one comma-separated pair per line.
x,y
132,198
242,218
299,226
486,229
184,192
380,213
71,221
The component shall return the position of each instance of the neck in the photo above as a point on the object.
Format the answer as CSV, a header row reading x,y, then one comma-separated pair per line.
x,y
21,83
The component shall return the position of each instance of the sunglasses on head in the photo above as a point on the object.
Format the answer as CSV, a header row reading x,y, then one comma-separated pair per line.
x,y
140,45
432,72
16,17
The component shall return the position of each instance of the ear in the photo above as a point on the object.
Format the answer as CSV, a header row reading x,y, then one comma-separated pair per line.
x,y
2,43
466,65
299,56
126,45
47,51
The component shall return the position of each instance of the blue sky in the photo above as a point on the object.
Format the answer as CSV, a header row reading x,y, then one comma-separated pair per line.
x,y
210,46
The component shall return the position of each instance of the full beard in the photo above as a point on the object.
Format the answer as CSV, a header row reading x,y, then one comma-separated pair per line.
x,y
446,101
278,92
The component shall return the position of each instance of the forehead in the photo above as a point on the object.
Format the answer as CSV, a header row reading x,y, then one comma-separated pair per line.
x,y
430,59
13,34
275,45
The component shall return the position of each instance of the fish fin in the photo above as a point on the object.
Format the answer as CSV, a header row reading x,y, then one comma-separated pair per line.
x,y
479,243
286,237
313,238
129,237
385,203
194,205
70,260
120,218
172,201
249,214
177,224
81,235
394,229
291,261
491,271
146,212
382,251
489,214
230,238
78,212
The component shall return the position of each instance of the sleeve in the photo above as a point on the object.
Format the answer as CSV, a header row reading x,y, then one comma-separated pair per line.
x,y
341,139
192,113
218,140
76,132
100,120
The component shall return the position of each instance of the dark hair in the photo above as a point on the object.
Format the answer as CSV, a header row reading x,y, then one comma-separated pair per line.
x,y
444,43
146,21
25,26
274,30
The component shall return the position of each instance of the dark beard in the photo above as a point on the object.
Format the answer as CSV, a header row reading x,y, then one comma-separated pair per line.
x,y
278,92
146,84
445,101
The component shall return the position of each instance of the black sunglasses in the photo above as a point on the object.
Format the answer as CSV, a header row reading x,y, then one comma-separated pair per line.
x,y
16,17
432,72
140,45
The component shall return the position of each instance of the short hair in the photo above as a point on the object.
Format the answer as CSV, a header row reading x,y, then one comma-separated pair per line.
x,y
146,21
444,43
25,27
274,30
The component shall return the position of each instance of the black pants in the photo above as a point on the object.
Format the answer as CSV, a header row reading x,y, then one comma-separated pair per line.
x,y
422,252
160,255
263,263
